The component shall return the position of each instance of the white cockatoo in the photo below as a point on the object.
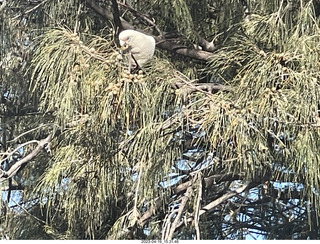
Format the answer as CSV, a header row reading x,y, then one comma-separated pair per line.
x,y
139,46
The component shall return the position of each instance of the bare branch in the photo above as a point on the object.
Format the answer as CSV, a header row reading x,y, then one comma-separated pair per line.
x,y
201,87
177,220
3,4
184,84
187,185
14,168
197,210
208,208
208,181
9,154
27,212
27,132
156,205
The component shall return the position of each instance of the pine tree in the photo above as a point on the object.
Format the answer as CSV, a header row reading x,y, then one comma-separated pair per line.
x,y
217,139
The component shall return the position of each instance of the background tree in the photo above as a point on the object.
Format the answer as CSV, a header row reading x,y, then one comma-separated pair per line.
x,y
217,139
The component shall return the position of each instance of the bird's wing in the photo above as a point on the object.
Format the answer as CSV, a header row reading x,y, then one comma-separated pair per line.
x,y
143,49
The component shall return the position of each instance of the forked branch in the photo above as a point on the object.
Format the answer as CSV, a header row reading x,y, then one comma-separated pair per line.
x,y
14,168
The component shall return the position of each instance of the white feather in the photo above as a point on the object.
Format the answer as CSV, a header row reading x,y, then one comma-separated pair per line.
x,y
142,46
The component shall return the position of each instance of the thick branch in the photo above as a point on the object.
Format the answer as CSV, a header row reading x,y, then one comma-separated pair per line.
x,y
107,14
156,205
141,16
208,208
14,168
161,42
204,44
117,21
116,14
183,50
209,181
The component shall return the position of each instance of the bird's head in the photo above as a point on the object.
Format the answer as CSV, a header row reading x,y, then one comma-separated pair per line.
x,y
125,39
123,44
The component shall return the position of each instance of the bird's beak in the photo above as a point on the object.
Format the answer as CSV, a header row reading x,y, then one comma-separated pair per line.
x,y
123,45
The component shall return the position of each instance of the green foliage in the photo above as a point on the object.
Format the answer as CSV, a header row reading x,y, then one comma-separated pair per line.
x,y
120,137
111,117
275,96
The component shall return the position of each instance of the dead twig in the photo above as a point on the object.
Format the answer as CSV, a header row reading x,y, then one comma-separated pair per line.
x,y
198,206
177,219
3,4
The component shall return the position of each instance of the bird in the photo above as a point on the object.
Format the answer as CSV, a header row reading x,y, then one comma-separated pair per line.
x,y
139,46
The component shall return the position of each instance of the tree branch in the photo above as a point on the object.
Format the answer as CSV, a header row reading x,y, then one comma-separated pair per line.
x,y
177,219
183,50
116,19
208,208
143,17
217,179
209,181
209,88
161,42
206,45
108,14
14,168
3,4
186,86
156,205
